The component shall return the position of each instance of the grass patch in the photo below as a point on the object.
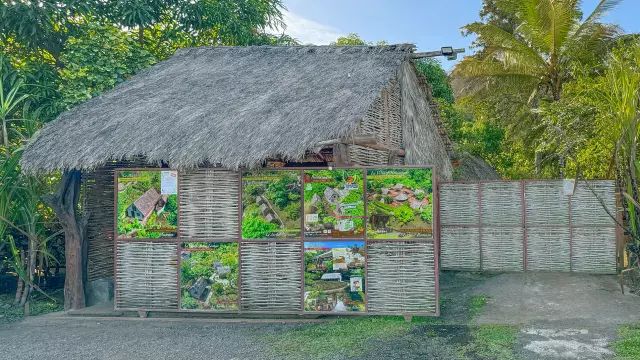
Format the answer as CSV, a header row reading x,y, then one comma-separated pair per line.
x,y
345,336
628,347
476,304
492,342
39,305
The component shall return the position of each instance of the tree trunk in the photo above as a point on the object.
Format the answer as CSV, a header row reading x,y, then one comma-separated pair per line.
x,y
16,301
141,35
65,204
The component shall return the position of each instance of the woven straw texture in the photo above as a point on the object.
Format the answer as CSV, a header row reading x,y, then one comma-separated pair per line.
x,y
98,190
459,204
548,249
209,205
270,276
460,248
502,249
147,276
586,209
594,250
546,204
401,277
502,204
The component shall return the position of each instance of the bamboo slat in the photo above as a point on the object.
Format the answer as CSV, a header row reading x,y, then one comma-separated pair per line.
x,y
502,249
586,209
594,250
547,205
271,276
460,248
502,204
548,249
401,277
147,276
459,204
209,205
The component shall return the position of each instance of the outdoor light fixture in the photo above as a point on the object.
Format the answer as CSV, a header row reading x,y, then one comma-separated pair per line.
x,y
447,51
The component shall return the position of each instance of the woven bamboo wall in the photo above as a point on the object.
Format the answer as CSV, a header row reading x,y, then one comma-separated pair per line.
x,y
270,276
98,194
562,233
502,249
209,205
548,249
460,248
147,276
401,277
383,118
459,204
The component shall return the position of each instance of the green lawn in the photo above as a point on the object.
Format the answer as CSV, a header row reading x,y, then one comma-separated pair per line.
x,y
628,347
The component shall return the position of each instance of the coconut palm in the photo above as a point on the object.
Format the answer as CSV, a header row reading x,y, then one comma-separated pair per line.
x,y
536,59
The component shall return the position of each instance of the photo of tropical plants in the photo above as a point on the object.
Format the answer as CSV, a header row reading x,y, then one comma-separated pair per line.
x,y
334,278
333,203
209,276
271,204
147,204
399,203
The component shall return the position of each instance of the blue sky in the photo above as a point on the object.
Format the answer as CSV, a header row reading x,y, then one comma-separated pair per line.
x,y
429,24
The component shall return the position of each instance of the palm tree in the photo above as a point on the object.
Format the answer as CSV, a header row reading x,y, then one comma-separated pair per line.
x,y
535,60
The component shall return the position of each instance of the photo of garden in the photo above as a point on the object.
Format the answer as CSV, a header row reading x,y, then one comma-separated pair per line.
x,y
147,204
209,276
333,203
334,276
399,203
271,204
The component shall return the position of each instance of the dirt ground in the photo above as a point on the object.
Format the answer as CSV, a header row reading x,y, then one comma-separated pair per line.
x,y
505,316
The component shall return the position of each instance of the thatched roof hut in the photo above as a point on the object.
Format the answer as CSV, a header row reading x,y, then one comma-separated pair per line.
x,y
242,106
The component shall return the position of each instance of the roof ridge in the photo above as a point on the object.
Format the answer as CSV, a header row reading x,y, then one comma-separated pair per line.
x,y
311,49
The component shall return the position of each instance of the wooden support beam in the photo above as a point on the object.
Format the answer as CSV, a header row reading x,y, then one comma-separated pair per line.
x,y
370,141
341,154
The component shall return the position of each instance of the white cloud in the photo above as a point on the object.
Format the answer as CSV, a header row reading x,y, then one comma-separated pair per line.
x,y
308,31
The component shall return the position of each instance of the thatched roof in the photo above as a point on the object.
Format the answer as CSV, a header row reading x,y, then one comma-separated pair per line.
x,y
147,202
233,106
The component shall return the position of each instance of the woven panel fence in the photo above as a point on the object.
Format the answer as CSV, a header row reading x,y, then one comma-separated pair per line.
x,y
401,277
209,205
99,202
147,276
270,276
559,233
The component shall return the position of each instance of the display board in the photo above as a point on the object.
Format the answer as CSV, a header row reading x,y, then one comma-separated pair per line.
x,y
334,203
399,203
271,204
332,217
147,204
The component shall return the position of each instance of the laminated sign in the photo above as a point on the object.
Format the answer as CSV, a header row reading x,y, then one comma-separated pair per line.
x,y
169,182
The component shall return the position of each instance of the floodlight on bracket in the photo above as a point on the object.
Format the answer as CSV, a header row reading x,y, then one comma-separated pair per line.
x,y
448,51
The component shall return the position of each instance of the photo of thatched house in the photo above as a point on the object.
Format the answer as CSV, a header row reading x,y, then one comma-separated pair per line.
x,y
241,107
144,206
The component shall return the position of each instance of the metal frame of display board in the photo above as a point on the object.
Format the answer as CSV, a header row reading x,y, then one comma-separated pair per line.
x,y
301,239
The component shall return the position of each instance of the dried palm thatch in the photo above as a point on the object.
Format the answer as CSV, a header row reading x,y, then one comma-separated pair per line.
x,y
233,106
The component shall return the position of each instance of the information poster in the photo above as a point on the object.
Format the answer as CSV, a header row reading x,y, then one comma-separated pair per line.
x,y
147,204
333,203
399,203
209,276
271,204
334,276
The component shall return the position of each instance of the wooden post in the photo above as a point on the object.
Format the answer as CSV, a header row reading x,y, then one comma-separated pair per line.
x,y
341,154
65,204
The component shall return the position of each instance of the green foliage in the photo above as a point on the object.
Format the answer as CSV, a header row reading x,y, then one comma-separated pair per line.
x,y
628,345
403,214
437,78
354,39
493,342
171,209
97,59
254,227
476,304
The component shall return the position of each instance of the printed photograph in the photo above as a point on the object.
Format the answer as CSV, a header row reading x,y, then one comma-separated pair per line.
x,y
334,276
399,203
271,204
209,276
147,204
333,203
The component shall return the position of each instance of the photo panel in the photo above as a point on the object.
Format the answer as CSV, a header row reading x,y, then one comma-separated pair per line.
x,y
271,204
399,203
334,203
209,276
334,276
147,204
